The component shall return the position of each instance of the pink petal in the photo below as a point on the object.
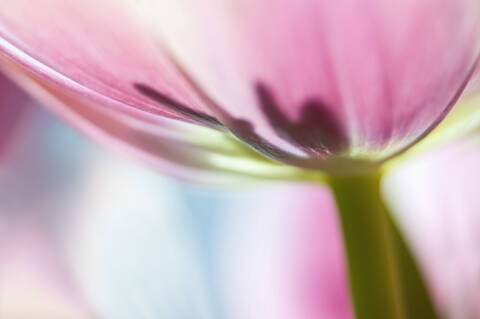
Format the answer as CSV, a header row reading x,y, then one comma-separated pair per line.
x,y
299,81
282,256
436,201
357,78
100,51
473,86
175,148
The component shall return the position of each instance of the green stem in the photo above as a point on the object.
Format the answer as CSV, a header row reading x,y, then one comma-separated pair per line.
x,y
384,279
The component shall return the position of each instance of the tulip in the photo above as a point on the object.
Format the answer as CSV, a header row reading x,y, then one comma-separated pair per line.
x,y
311,84
337,87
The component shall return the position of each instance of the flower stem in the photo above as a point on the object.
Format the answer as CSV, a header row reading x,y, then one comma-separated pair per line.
x,y
384,280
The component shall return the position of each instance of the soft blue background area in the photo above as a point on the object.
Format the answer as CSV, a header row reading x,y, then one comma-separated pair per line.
x,y
48,163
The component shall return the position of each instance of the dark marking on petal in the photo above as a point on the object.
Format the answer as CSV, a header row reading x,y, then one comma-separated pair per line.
x,y
317,130
245,131
177,106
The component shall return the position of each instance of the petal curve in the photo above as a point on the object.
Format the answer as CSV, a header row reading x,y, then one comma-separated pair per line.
x,y
351,78
100,51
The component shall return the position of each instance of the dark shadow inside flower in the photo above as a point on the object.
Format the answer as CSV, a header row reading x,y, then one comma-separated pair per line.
x,y
316,131
243,129
177,106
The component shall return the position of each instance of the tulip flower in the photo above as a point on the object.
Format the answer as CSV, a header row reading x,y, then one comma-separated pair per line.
x,y
333,89
309,83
